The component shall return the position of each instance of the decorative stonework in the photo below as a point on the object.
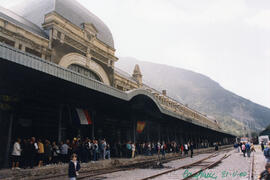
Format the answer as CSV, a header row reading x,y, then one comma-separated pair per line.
x,y
74,58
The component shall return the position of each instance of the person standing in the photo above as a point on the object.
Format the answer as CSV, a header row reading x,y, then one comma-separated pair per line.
x,y
47,152
186,149
103,149
33,152
236,147
40,153
133,148
158,148
182,149
265,175
128,149
108,151
216,146
74,167
95,151
16,154
163,150
55,153
191,147
27,153
248,149
262,146
244,149
252,148
266,153
64,152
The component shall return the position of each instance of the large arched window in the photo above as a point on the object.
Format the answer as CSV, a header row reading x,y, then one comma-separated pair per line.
x,y
86,66
84,71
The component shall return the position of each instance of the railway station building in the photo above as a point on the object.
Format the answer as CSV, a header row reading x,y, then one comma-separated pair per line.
x,y
58,80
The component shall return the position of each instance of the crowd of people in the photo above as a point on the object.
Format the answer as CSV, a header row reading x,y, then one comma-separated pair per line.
x,y
29,153
245,147
248,148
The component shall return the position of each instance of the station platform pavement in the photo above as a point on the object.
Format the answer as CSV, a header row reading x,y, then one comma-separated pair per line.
x,y
259,162
51,170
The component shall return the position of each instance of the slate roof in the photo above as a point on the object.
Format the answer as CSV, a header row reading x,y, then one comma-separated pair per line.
x,y
35,11
124,74
21,22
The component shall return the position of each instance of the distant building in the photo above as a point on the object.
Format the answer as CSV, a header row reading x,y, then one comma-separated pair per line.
x,y
265,132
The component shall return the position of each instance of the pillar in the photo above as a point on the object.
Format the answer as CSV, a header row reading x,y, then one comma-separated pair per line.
x,y
147,129
1,117
93,125
60,124
159,129
134,130
167,133
8,140
17,44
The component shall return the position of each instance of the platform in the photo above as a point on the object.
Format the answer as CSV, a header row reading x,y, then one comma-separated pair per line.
x,y
53,170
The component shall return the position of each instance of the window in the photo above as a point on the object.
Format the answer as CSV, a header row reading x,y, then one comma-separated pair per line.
x,y
7,41
84,71
32,51
59,34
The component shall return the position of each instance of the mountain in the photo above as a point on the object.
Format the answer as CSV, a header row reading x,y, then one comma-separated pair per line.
x,y
234,113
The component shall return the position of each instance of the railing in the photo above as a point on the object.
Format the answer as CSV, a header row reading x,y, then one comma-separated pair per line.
x,y
179,108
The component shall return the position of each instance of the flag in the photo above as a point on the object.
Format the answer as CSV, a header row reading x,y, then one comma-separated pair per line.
x,y
140,126
84,117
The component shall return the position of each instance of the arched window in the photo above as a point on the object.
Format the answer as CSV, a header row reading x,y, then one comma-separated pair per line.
x,y
84,71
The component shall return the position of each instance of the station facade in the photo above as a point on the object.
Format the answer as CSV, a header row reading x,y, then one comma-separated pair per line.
x,y
58,59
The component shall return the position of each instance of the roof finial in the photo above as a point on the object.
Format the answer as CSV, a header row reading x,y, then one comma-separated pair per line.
x,y
137,75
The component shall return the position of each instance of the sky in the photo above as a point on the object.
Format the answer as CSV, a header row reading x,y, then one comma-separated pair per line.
x,y
227,40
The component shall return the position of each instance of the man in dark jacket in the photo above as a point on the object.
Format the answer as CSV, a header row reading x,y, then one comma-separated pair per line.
x,y
265,175
73,168
191,149
262,146
32,153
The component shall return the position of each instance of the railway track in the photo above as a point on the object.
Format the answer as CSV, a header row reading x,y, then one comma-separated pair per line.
x,y
207,167
98,172
200,162
251,170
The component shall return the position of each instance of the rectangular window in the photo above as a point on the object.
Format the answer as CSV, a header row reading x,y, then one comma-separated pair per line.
x,y
7,41
34,52
59,34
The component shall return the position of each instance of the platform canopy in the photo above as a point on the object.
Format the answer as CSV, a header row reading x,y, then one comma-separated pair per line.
x,y
16,57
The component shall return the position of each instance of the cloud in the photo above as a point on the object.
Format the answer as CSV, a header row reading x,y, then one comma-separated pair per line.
x,y
173,12
260,20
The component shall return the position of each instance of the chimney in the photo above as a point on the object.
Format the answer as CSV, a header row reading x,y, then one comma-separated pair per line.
x,y
164,92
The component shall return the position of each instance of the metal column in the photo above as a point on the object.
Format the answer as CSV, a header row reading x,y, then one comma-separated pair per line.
x,y
8,140
60,124
134,130
93,125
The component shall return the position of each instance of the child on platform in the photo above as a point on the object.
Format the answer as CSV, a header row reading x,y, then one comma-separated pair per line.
x,y
73,168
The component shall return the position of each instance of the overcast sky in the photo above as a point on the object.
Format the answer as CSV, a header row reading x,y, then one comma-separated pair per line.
x,y
227,40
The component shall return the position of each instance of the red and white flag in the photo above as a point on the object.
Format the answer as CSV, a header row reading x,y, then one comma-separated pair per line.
x,y
84,117
140,126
